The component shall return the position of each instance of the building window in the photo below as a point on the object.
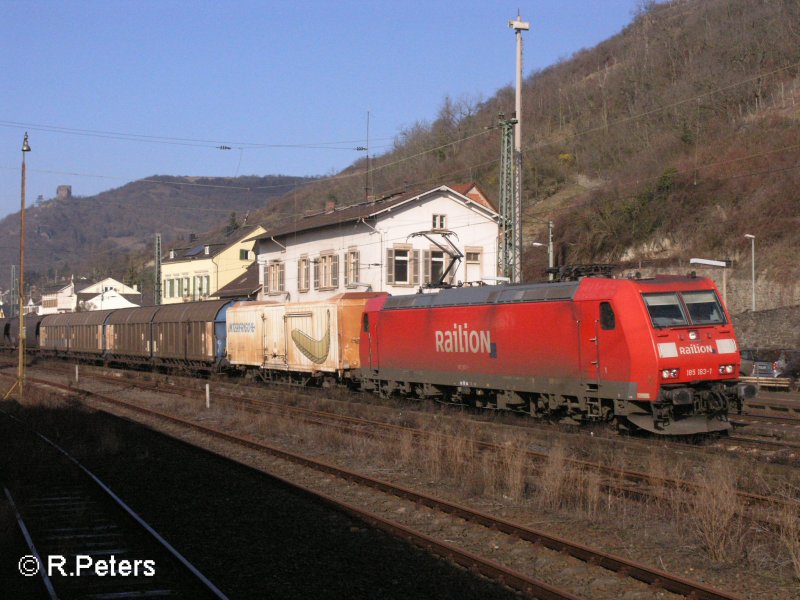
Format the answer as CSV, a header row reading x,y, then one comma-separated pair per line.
x,y
401,270
326,271
439,222
402,266
437,265
351,268
244,254
303,274
187,291
474,260
200,289
276,280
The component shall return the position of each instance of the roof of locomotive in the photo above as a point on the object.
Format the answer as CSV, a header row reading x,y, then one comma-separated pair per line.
x,y
487,294
529,292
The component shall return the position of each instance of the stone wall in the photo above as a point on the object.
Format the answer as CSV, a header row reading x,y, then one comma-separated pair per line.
x,y
777,328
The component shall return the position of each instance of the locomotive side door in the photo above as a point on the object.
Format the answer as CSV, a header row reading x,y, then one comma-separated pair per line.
x,y
598,339
369,327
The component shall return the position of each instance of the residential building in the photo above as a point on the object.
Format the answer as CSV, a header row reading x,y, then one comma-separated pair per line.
x,y
110,299
106,293
398,244
195,270
58,298
72,296
244,287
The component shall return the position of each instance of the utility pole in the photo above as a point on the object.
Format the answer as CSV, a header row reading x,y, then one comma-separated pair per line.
x,y
13,300
366,185
518,25
506,240
20,383
157,272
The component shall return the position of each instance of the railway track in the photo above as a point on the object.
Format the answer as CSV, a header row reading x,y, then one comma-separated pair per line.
x,y
83,540
593,559
774,405
633,484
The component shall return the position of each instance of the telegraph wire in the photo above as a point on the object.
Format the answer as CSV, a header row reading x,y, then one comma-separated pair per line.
x,y
340,176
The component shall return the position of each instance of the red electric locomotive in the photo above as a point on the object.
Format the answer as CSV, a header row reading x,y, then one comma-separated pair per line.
x,y
658,354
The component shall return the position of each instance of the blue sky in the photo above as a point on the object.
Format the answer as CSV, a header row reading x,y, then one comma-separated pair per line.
x,y
114,91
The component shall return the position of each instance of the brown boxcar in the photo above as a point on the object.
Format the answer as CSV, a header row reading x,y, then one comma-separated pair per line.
x,y
129,334
191,334
32,324
80,334
9,333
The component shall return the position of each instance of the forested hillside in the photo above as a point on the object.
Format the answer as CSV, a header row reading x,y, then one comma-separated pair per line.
x,y
113,233
670,140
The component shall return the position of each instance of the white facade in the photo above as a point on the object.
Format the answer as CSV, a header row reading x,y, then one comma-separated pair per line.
x,y
376,251
65,299
59,301
106,285
107,300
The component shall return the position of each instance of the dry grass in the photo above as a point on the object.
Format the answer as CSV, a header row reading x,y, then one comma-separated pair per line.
x,y
713,512
789,531
553,478
514,470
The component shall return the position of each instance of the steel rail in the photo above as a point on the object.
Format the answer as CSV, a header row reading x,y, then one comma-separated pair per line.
x,y
616,475
639,571
127,509
367,427
48,583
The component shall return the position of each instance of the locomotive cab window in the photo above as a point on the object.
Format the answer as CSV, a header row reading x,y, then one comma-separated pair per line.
x,y
704,307
607,319
665,309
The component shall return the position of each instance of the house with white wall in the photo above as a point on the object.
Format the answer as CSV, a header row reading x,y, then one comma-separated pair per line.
x,y
196,269
398,244
72,296
58,298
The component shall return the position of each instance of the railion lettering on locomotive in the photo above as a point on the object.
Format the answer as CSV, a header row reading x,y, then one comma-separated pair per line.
x,y
461,339
696,349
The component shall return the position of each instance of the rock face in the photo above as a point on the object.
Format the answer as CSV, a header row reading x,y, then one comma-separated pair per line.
x,y
778,328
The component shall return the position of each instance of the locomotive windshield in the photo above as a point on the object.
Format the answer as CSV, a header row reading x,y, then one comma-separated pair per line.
x,y
670,309
704,308
665,309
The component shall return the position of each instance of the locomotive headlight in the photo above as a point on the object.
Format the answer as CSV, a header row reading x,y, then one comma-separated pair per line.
x,y
669,373
725,369
692,335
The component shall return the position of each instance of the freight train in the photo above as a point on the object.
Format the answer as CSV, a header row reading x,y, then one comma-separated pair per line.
x,y
654,354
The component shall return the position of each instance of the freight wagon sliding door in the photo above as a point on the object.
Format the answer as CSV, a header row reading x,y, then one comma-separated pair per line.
x,y
294,325
311,341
